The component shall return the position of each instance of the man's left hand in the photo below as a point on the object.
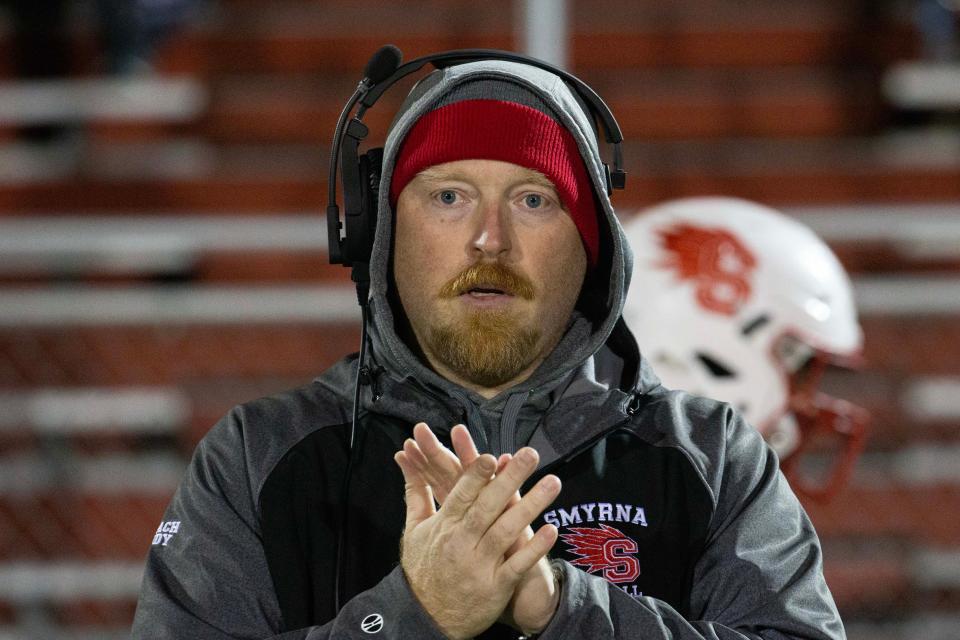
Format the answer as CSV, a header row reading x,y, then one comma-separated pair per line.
x,y
536,598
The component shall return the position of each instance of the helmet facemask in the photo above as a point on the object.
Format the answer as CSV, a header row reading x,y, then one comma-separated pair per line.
x,y
829,433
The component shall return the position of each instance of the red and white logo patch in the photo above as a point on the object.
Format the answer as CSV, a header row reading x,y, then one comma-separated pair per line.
x,y
715,261
604,549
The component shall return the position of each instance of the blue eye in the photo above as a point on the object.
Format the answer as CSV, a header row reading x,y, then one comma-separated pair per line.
x,y
534,201
448,197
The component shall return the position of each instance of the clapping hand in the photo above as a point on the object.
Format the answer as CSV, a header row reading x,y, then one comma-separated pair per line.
x,y
476,559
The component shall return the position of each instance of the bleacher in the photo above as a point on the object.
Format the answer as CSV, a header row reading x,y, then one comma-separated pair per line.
x,y
165,260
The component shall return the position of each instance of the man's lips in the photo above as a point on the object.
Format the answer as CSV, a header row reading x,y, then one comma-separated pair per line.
x,y
487,290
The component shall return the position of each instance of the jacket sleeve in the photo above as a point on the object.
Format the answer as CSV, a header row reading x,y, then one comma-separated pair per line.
x,y
207,577
759,575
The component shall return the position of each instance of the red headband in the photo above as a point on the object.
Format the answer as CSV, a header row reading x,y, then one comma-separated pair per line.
x,y
506,131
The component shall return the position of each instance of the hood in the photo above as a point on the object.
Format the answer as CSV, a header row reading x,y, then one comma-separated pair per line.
x,y
607,283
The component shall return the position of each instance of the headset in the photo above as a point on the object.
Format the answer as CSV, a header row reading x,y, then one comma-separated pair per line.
x,y
360,176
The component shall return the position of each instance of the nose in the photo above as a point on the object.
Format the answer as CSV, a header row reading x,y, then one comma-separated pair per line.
x,y
492,232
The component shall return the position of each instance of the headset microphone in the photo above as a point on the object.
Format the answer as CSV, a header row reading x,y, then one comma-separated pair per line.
x,y
382,63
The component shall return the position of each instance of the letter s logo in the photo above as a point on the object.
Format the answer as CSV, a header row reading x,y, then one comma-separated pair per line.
x,y
605,549
620,567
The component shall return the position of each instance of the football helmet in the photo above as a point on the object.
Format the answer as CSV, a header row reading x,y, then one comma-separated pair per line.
x,y
736,301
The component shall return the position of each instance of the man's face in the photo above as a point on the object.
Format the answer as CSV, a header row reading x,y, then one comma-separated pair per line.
x,y
488,266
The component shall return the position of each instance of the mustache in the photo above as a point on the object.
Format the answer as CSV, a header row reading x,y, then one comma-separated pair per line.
x,y
488,275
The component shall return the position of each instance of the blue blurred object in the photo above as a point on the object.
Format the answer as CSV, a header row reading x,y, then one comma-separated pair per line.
x,y
936,21
133,29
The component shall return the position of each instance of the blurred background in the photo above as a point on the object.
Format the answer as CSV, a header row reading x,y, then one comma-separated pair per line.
x,y
162,246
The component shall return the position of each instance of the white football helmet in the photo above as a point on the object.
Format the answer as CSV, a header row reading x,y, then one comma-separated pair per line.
x,y
736,301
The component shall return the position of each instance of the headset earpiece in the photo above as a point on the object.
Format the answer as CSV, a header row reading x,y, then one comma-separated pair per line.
x,y
361,185
360,228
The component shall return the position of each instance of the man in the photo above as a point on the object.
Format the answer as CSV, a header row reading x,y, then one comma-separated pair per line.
x,y
497,280
736,301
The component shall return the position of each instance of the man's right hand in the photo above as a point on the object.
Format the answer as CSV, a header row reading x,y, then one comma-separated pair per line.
x,y
455,558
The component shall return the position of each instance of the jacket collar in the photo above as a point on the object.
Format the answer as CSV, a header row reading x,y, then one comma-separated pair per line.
x,y
577,408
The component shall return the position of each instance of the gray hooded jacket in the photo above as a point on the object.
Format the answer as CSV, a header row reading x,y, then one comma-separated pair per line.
x,y
674,519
